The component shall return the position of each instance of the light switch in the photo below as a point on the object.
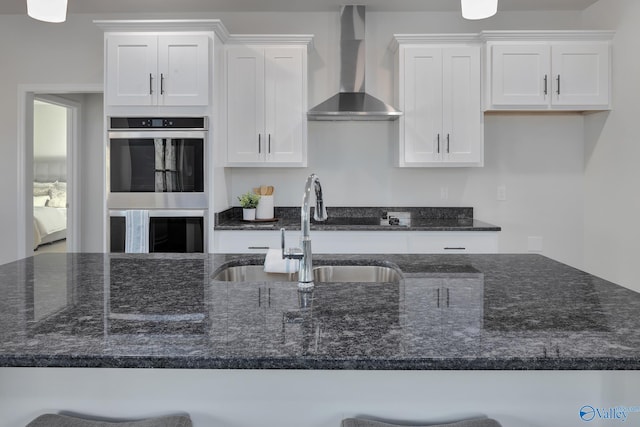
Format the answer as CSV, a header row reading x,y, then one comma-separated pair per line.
x,y
502,192
444,193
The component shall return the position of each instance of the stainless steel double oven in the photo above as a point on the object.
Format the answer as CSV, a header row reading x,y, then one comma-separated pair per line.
x,y
157,166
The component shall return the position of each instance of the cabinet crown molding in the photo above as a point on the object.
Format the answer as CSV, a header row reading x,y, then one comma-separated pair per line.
x,y
270,39
400,39
545,35
164,25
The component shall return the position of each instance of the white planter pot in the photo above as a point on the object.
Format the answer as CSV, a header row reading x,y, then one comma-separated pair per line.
x,y
249,214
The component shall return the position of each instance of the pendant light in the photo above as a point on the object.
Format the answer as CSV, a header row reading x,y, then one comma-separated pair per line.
x,y
478,9
47,10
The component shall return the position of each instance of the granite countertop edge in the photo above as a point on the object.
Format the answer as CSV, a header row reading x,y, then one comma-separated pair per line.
x,y
310,363
614,347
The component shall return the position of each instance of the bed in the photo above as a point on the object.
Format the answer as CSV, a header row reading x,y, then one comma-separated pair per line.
x,y
49,201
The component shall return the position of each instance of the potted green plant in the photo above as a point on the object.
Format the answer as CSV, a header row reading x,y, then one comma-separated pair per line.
x,y
249,201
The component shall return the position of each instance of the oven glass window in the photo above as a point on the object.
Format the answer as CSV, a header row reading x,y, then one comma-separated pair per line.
x,y
160,165
176,234
166,234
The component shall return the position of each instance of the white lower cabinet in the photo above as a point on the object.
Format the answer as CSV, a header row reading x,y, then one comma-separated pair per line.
x,y
360,242
445,311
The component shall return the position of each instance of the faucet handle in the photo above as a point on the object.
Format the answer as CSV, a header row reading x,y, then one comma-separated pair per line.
x,y
295,253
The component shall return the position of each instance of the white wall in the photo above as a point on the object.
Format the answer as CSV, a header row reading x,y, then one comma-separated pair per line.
x,y
92,172
37,53
49,130
536,157
612,230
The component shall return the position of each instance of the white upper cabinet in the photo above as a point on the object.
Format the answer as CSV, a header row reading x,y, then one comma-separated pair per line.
x,y
548,70
267,105
148,69
439,92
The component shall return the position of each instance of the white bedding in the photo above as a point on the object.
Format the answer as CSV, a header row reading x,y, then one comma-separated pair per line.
x,y
48,221
49,200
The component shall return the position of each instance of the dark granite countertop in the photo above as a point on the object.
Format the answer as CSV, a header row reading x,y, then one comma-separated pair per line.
x,y
448,312
362,219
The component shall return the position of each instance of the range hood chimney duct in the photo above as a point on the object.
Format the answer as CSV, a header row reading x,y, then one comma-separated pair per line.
x,y
352,102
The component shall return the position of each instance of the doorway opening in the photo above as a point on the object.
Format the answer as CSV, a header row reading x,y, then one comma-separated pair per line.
x,y
53,130
60,139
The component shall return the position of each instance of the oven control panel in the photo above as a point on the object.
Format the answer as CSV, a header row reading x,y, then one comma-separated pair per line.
x,y
157,122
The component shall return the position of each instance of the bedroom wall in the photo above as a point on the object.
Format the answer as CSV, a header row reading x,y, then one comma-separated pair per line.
x,y
49,130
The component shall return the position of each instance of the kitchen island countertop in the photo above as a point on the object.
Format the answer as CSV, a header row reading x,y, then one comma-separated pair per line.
x,y
449,312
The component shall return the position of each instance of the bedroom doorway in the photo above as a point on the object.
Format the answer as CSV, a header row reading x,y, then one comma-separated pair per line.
x,y
55,121
84,164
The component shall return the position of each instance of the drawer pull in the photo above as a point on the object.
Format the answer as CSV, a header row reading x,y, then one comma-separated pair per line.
x,y
258,247
454,249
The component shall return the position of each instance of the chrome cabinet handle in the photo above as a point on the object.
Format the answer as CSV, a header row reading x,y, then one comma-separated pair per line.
x,y
438,151
150,84
558,79
269,144
161,84
448,143
259,150
546,84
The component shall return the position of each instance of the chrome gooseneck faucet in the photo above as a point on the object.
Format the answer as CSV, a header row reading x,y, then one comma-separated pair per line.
x,y
305,273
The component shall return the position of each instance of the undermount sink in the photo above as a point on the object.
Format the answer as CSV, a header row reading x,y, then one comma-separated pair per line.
x,y
253,273
324,273
356,273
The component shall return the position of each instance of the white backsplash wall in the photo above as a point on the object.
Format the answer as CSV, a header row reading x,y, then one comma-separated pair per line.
x,y
612,230
537,157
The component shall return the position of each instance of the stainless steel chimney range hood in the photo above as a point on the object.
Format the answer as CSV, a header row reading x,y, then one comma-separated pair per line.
x,y
352,102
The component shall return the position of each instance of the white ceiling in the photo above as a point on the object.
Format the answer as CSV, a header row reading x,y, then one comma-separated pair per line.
x,y
168,6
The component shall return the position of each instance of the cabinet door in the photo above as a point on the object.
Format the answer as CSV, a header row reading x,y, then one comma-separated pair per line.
x,y
520,75
183,67
245,105
421,133
131,70
462,108
285,110
580,74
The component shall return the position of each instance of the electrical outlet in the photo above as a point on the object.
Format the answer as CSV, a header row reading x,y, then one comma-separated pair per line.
x,y
502,192
444,193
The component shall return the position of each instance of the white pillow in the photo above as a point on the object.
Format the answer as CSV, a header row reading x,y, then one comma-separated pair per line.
x,y
57,202
42,188
58,198
40,201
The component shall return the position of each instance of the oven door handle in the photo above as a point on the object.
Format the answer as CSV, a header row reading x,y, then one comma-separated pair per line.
x,y
153,134
163,213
